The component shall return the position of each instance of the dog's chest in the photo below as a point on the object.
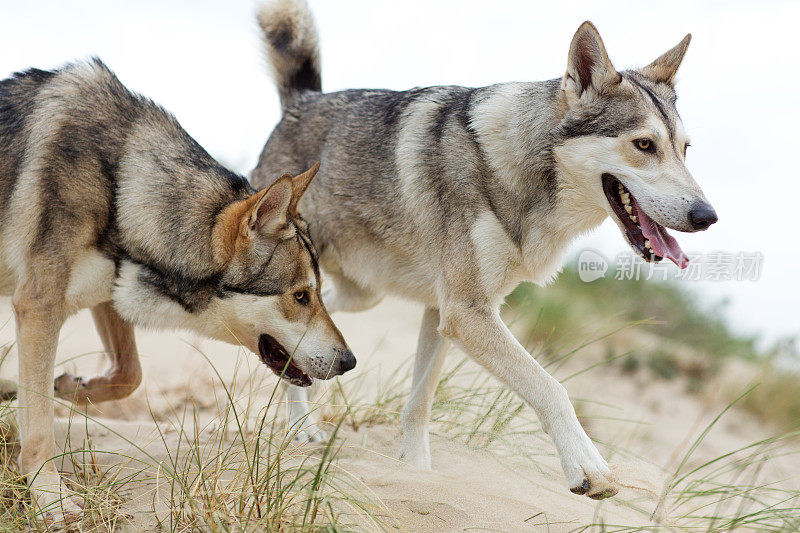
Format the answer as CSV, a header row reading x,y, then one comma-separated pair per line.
x,y
499,261
91,281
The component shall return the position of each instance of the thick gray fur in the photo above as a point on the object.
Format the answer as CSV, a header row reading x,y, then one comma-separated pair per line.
x,y
450,196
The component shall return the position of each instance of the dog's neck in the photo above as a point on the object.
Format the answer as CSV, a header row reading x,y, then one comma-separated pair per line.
x,y
514,123
170,193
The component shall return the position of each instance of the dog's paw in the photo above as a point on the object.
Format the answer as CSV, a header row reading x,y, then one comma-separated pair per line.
x,y
586,470
415,454
416,461
67,511
54,500
306,429
311,434
599,489
67,386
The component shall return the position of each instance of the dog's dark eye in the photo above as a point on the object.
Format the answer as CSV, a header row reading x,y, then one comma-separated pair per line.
x,y
301,297
645,145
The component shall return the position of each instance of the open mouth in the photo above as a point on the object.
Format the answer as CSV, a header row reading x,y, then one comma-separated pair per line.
x,y
279,360
647,237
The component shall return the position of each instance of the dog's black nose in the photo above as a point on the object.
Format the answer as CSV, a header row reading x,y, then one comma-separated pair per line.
x,y
702,215
347,362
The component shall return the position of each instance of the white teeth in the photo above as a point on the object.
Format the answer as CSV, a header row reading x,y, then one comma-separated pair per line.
x,y
626,201
647,243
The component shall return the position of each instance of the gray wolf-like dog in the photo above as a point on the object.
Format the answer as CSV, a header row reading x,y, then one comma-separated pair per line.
x,y
107,203
451,196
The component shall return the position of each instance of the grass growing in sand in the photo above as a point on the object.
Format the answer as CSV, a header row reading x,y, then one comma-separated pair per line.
x,y
721,493
239,470
236,470
221,459
724,493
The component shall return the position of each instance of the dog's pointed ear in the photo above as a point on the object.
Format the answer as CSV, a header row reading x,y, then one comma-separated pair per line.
x,y
666,66
300,184
267,214
264,213
589,71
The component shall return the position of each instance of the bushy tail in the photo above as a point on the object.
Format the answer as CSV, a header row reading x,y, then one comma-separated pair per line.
x,y
292,47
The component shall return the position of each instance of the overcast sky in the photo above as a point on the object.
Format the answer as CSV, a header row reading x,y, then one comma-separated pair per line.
x,y
738,89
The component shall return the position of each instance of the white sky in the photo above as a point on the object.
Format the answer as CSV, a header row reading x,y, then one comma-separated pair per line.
x,y
738,89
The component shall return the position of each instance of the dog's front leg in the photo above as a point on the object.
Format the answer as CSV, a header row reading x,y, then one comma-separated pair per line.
x,y
303,420
39,319
431,350
347,296
484,336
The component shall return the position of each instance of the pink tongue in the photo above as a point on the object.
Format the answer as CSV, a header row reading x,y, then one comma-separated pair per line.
x,y
661,242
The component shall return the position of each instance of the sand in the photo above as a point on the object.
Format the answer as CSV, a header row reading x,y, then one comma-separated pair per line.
x,y
643,426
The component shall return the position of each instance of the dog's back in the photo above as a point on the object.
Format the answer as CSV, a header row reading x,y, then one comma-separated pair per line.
x,y
78,171
404,176
53,202
17,101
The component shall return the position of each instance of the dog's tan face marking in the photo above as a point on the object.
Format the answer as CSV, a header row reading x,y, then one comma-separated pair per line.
x,y
303,304
302,301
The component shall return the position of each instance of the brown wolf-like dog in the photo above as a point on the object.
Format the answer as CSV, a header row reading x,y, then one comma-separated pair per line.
x,y
108,204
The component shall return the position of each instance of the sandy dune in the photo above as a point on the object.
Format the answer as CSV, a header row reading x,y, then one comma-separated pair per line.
x,y
642,426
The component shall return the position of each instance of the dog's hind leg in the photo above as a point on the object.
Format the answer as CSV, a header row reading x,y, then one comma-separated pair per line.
x,y
431,351
125,373
482,334
39,313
